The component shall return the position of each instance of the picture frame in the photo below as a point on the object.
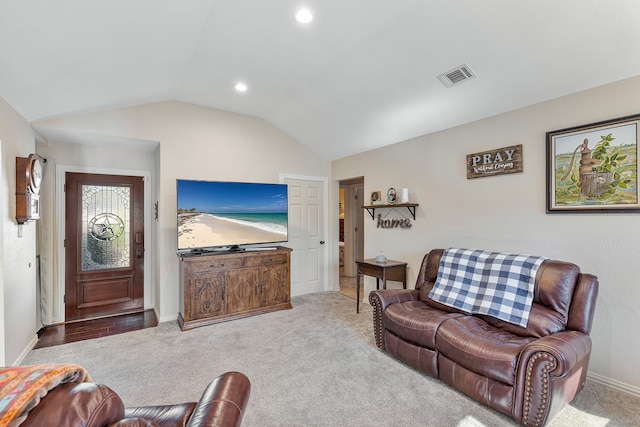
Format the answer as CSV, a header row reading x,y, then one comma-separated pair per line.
x,y
376,198
594,168
391,196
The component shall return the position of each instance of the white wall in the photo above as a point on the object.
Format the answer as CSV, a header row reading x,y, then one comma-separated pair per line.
x,y
196,143
17,281
507,213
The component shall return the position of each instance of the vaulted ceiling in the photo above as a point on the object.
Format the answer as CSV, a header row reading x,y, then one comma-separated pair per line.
x,y
361,75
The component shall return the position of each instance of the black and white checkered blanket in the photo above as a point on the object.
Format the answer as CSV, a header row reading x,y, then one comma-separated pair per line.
x,y
492,283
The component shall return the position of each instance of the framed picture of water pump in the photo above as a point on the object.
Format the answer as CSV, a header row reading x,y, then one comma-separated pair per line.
x,y
594,168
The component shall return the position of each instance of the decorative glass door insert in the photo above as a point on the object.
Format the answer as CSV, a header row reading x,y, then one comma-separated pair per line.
x,y
106,227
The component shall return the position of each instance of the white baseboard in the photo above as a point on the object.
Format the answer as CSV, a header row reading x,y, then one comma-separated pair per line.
x,y
26,351
299,289
620,386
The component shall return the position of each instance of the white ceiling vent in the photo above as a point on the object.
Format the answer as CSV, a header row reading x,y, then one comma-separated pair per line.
x,y
456,76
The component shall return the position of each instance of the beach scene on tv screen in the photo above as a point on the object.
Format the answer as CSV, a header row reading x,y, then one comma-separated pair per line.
x,y
213,214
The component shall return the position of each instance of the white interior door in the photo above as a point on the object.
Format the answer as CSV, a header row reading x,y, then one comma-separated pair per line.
x,y
307,235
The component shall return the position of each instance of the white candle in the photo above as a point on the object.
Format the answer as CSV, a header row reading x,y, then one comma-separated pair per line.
x,y
405,196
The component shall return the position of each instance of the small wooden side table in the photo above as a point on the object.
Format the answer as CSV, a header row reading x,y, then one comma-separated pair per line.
x,y
390,270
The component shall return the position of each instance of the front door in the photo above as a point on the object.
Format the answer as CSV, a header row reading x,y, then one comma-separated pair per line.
x,y
104,245
306,235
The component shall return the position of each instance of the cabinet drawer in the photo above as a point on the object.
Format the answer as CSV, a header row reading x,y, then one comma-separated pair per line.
x,y
206,264
369,270
265,259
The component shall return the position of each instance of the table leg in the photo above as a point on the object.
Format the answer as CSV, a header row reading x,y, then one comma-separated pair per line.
x,y
357,293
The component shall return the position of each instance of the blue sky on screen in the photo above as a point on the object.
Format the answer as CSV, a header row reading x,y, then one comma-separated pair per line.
x,y
232,197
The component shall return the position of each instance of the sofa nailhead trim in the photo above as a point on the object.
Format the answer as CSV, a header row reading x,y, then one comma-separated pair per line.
x,y
544,374
377,320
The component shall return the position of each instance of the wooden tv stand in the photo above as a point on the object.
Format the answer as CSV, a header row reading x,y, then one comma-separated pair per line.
x,y
217,287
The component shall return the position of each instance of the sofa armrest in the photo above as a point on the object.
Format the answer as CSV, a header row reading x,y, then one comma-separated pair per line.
x,y
223,402
551,371
380,299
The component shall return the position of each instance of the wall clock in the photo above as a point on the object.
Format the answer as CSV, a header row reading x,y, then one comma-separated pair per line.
x,y
29,172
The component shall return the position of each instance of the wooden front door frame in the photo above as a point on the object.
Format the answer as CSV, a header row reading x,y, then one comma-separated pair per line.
x,y
103,281
61,171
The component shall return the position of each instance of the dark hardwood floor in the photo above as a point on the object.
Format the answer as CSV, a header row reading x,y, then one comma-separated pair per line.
x,y
95,328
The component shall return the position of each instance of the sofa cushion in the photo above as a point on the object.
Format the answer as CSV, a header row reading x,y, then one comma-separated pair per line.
x,y
555,283
429,268
542,322
423,359
424,297
480,347
84,404
163,415
415,321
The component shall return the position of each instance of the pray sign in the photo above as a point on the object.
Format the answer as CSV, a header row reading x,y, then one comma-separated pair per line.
x,y
495,162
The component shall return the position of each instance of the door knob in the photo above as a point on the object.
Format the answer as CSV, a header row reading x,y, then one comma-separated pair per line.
x,y
322,242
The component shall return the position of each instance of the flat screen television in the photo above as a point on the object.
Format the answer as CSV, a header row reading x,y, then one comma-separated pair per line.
x,y
221,215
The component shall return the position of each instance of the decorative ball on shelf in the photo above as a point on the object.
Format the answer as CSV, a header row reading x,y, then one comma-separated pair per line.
x,y
391,196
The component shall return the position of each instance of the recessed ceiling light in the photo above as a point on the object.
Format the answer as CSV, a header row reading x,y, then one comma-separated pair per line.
x,y
304,16
241,87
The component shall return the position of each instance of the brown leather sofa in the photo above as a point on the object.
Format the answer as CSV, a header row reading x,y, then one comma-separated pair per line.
x,y
529,373
88,404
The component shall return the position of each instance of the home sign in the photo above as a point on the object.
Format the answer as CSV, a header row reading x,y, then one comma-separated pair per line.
x,y
495,162
393,222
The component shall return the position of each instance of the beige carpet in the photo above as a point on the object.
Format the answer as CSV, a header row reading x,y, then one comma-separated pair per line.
x,y
314,365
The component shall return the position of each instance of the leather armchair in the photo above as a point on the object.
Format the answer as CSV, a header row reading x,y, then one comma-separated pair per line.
x,y
88,404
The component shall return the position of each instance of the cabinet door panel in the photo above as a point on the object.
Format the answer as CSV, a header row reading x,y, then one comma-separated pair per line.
x,y
205,295
275,285
243,290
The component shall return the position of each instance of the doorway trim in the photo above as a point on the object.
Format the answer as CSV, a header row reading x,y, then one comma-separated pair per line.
x,y
327,236
61,171
356,220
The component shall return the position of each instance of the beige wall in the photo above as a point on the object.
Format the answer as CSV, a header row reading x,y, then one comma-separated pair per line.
x,y
501,213
196,143
17,281
96,154
507,213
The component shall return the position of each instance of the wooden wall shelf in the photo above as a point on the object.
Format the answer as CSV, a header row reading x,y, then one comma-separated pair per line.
x,y
410,206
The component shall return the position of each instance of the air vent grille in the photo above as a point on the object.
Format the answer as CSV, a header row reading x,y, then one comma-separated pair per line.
x,y
456,76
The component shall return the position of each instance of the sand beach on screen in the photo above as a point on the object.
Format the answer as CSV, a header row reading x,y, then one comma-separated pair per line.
x,y
198,230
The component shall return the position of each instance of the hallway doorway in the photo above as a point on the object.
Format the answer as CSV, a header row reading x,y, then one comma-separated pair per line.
x,y
351,238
